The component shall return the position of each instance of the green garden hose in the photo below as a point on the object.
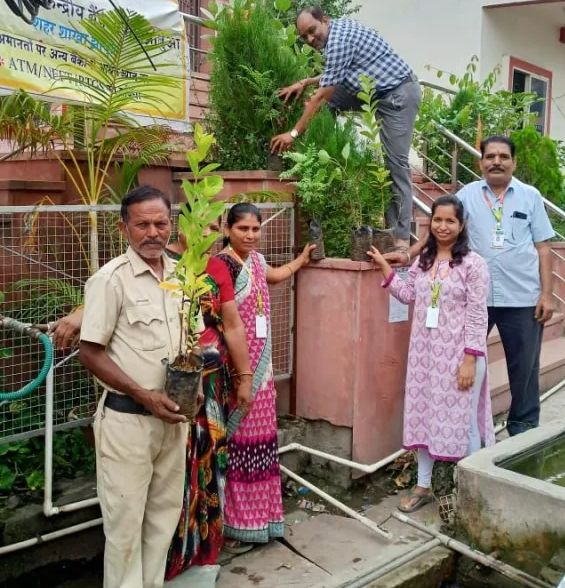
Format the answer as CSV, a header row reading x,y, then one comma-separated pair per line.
x,y
34,333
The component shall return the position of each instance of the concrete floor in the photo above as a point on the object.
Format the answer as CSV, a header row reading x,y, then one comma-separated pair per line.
x,y
326,550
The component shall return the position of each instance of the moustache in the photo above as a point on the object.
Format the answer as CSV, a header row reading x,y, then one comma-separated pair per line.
x,y
152,242
496,168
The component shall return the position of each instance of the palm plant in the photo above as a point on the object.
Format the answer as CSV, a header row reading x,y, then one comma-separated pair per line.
x,y
117,72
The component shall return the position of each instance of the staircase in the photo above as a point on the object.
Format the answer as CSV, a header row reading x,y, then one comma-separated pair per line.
x,y
552,359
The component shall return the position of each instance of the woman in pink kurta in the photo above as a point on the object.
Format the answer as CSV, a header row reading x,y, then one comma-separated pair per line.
x,y
447,411
253,498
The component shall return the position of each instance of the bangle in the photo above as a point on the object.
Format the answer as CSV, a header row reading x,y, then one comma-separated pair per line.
x,y
244,373
287,265
408,255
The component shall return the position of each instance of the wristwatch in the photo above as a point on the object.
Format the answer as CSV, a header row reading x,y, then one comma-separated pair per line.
x,y
294,133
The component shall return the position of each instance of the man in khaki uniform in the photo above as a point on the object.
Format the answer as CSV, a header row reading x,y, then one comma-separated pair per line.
x,y
130,325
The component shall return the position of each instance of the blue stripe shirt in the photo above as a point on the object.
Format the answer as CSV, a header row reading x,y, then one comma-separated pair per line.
x,y
353,50
514,269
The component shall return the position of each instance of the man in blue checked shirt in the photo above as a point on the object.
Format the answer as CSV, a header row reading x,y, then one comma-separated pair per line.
x,y
352,50
509,227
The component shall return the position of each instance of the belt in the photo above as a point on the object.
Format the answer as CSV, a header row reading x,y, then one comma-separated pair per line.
x,y
409,78
124,403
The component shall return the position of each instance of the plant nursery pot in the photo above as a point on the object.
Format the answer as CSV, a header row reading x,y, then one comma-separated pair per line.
x,y
383,240
361,241
316,237
183,386
275,162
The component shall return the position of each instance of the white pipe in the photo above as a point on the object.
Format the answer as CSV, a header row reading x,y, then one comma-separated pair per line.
x,y
367,468
48,464
331,500
552,391
367,578
371,468
49,509
72,506
486,560
49,536
501,426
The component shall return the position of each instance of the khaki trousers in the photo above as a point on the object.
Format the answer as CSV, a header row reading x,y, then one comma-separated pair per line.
x,y
140,462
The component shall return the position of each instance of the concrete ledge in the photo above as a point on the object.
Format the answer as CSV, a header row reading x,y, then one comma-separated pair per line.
x,y
28,185
516,515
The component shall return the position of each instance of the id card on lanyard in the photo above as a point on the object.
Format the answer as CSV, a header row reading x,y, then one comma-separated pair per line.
x,y
432,315
261,330
261,327
497,241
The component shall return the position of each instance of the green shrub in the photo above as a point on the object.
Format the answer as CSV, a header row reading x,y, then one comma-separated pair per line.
x,y
334,181
474,113
21,463
538,163
253,55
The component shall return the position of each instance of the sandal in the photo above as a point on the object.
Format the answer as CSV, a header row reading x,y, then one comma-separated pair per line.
x,y
420,500
237,547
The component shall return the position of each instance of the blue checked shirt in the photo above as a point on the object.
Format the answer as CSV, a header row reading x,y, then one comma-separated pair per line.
x,y
353,50
514,269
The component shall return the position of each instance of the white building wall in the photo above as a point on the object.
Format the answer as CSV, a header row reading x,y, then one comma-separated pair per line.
x,y
444,34
516,32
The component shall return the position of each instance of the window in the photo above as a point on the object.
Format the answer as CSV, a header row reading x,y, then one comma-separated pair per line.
x,y
526,77
193,32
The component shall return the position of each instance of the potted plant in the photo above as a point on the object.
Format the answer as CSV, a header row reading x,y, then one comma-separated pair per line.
x,y
378,174
184,374
312,167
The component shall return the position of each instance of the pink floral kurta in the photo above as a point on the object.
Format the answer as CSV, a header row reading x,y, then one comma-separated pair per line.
x,y
437,416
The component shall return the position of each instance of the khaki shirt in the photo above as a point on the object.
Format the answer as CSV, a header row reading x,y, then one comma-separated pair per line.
x,y
137,322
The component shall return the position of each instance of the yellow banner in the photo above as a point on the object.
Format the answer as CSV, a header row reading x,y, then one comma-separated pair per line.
x,y
37,37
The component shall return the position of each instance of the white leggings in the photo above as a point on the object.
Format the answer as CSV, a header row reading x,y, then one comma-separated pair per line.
x,y
425,460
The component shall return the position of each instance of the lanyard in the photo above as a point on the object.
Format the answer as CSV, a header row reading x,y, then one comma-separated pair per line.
x,y
496,212
436,283
260,306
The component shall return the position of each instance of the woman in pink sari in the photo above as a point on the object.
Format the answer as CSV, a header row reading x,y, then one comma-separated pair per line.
x,y
253,499
447,412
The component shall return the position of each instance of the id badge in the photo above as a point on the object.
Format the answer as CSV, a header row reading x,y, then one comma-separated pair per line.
x,y
432,317
261,326
498,239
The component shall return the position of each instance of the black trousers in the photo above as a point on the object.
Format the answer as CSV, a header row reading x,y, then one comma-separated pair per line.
x,y
521,336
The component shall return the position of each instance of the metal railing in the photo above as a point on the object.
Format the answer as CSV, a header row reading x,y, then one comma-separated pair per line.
x,y
430,166
45,259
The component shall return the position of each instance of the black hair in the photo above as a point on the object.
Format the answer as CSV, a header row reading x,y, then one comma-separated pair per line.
x,y
237,212
498,139
141,194
460,247
315,11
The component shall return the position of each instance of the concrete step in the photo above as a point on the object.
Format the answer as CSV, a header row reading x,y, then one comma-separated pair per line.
x,y
553,329
329,551
552,371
